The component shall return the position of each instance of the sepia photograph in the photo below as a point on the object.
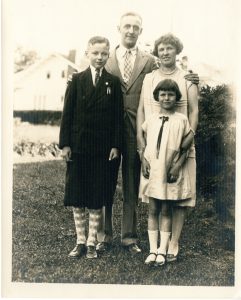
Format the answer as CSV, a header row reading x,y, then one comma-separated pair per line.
x,y
119,148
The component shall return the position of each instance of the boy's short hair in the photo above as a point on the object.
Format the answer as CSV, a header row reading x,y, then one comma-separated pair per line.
x,y
131,13
98,39
168,38
167,85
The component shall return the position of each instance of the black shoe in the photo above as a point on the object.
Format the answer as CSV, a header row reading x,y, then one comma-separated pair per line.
x,y
78,251
133,248
102,247
171,258
91,252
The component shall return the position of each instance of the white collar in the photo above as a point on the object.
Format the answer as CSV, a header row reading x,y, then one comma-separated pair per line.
x,y
122,50
93,70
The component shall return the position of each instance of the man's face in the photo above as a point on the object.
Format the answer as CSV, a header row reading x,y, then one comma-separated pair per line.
x,y
98,54
167,54
130,29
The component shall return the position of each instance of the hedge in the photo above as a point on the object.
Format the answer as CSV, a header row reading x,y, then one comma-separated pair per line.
x,y
49,117
215,145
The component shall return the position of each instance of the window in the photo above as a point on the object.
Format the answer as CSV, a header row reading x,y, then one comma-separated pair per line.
x,y
48,75
63,74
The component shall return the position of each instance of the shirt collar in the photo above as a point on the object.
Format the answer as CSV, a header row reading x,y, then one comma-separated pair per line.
x,y
93,70
122,50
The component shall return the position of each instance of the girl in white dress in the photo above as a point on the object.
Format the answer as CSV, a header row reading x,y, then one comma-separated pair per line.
x,y
163,166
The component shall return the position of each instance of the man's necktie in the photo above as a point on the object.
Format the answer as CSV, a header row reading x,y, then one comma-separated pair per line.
x,y
97,76
164,119
127,66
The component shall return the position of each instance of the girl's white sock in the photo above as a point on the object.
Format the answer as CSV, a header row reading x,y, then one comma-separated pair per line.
x,y
164,242
153,238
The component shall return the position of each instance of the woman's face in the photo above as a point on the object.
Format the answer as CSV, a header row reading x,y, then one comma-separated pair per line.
x,y
167,54
167,99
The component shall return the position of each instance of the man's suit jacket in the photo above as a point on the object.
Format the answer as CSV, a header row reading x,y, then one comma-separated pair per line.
x,y
92,119
144,63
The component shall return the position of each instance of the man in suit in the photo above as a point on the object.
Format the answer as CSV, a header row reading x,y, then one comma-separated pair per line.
x,y
131,65
91,139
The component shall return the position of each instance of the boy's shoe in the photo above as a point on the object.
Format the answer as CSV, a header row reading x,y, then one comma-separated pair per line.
x,y
133,249
78,251
91,252
102,247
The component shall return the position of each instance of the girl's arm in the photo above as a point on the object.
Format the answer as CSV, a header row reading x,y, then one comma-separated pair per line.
x,y
173,173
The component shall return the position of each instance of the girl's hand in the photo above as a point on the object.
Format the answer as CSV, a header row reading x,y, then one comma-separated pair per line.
x,y
114,153
145,168
66,154
173,173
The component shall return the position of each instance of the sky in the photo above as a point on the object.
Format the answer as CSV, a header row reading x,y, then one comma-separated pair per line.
x,y
207,28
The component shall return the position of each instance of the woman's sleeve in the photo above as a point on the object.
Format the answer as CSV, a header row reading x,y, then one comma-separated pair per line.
x,y
144,126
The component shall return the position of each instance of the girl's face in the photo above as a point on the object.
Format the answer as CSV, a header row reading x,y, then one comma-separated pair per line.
x,y
167,99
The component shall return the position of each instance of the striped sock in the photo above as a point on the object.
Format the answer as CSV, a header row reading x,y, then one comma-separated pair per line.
x,y
79,220
94,222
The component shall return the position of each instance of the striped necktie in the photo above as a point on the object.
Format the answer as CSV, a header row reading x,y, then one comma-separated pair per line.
x,y
97,76
164,119
127,66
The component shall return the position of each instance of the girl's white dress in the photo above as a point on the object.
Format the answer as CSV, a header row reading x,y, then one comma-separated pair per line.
x,y
174,130
151,106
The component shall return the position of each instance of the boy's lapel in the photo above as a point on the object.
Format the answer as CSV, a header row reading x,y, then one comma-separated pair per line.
x,y
92,95
88,89
101,88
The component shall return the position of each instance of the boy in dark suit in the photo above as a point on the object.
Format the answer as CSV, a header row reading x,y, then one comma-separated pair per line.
x,y
91,139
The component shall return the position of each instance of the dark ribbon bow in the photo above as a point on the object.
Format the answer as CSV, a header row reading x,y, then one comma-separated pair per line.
x,y
164,119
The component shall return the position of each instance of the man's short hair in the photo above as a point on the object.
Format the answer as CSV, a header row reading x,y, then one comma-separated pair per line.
x,y
131,13
99,40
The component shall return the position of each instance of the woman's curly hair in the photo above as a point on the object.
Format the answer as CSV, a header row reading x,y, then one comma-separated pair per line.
x,y
168,38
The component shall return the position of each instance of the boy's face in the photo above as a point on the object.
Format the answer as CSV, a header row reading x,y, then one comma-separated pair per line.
x,y
167,99
98,54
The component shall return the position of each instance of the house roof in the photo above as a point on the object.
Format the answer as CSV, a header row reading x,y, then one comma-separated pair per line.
x,y
19,75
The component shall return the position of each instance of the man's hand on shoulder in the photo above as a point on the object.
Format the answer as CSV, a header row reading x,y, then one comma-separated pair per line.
x,y
193,77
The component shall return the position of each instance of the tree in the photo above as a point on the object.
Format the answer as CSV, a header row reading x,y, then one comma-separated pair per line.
x,y
23,58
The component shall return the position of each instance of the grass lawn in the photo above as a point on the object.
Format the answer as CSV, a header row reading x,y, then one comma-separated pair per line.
x,y
43,234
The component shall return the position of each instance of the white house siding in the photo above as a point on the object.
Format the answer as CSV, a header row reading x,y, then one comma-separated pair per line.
x,y
35,91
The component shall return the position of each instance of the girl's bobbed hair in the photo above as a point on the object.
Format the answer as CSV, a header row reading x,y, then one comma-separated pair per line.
x,y
168,38
167,85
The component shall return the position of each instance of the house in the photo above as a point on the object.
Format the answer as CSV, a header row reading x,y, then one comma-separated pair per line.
x,y
41,87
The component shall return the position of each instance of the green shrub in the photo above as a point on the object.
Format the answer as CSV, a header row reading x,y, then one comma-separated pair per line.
x,y
215,144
